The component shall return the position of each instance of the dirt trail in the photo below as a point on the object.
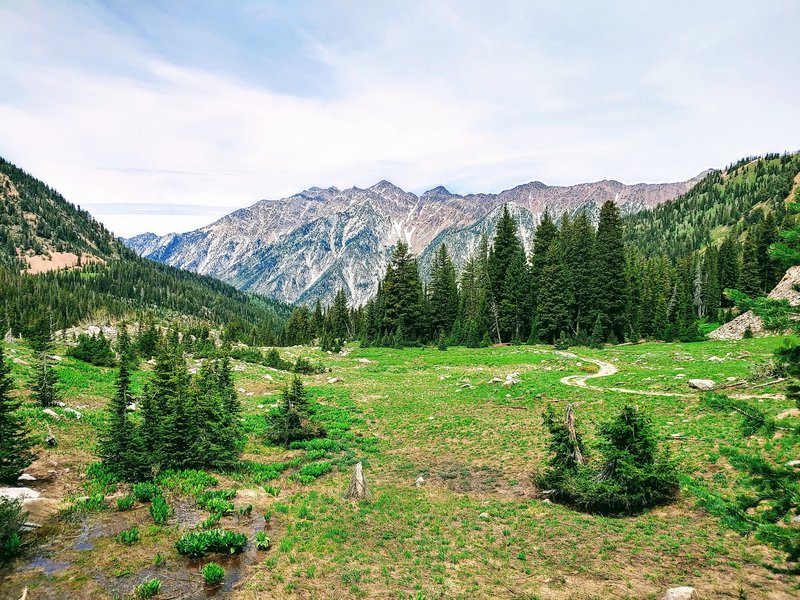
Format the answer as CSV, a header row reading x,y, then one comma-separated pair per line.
x,y
606,369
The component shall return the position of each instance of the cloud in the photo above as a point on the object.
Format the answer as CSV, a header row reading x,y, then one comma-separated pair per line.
x,y
152,108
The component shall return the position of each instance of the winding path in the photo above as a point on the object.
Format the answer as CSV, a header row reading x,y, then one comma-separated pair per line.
x,y
606,369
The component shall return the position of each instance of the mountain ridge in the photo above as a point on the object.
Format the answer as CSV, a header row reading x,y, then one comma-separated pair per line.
x,y
236,247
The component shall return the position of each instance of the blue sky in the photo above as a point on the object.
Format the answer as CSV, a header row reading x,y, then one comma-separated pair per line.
x,y
162,116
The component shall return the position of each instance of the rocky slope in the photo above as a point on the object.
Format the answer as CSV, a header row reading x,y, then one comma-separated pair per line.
x,y
315,242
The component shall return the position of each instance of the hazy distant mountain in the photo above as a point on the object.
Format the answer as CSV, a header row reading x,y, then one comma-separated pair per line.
x,y
315,242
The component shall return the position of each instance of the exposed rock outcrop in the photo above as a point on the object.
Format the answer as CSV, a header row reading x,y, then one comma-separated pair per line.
x,y
785,290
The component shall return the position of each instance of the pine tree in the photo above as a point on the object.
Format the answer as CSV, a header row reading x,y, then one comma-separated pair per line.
x,y
121,447
578,239
443,292
45,382
546,233
339,317
291,420
608,281
16,445
554,295
404,313
750,275
507,295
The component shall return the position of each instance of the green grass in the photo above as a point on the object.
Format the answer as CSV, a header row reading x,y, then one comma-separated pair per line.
x,y
404,413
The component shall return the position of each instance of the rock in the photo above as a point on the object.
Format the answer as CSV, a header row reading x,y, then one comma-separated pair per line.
x,y
239,368
131,407
796,520
19,493
268,377
18,361
484,516
50,412
546,501
241,390
715,359
55,357
495,380
420,481
789,413
366,361
466,386
793,463
730,379
334,379
248,394
74,412
26,477
152,361
702,384
681,593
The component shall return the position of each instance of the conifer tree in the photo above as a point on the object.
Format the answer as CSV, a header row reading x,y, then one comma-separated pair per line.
x,y
16,445
554,294
608,281
291,420
750,275
404,313
45,382
443,293
507,293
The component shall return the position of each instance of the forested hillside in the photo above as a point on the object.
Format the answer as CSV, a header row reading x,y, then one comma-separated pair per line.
x,y
727,202
36,221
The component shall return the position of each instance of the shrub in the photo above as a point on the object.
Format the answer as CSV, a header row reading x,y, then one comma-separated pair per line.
x,y
125,503
91,503
213,574
11,521
128,536
262,541
272,490
217,501
219,506
145,491
245,511
160,510
315,470
635,473
275,361
93,349
148,589
306,367
187,481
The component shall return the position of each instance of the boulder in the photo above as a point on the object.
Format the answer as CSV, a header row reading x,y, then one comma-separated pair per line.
x,y
420,481
495,380
702,384
72,411
793,463
50,412
681,593
19,493
484,516
334,379
26,477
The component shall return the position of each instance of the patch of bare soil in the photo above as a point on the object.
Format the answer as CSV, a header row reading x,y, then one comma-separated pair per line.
x,y
56,261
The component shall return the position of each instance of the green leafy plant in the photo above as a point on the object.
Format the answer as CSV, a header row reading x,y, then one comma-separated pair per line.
x,y
125,503
148,589
196,543
160,510
145,491
128,536
262,541
213,574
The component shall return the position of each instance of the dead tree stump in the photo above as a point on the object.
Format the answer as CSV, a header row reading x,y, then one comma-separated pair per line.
x,y
358,489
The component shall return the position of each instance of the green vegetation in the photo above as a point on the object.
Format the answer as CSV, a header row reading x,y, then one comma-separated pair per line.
x,y
94,349
11,521
148,589
197,543
213,574
291,421
128,536
16,444
160,510
262,541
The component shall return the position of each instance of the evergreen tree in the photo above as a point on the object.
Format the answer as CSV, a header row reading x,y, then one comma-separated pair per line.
x,y
578,240
404,313
339,317
291,420
750,275
554,295
443,293
608,281
507,276
45,382
16,445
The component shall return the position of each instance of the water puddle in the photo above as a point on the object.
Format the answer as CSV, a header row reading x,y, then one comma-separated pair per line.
x,y
47,565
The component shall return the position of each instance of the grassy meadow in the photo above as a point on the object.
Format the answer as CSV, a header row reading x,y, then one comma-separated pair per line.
x,y
474,528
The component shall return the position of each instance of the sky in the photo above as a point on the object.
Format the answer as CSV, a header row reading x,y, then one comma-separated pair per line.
x,y
163,116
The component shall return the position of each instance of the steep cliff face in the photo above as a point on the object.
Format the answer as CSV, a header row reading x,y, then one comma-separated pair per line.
x,y
311,244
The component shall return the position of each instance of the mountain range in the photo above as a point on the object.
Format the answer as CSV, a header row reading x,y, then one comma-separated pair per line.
x,y
310,245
